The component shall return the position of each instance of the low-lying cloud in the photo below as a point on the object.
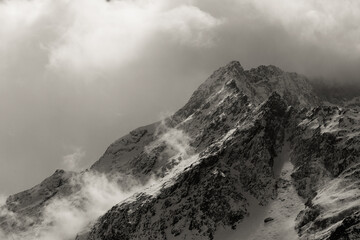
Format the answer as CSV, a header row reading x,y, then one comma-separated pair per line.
x,y
72,161
65,216
177,143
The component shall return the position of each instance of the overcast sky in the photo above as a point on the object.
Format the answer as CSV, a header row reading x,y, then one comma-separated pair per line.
x,y
77,74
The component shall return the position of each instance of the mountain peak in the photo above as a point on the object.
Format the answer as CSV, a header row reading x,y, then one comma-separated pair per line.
x,y
269,70
257,84
234,65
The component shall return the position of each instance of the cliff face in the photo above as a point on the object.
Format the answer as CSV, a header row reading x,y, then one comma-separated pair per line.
x,y
247,144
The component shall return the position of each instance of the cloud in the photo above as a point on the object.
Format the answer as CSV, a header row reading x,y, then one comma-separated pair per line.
x,y
71,161
176,143
120,32
85,38
64,217
329,23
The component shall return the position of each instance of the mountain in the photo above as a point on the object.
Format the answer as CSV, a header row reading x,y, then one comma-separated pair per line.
x,y
254,154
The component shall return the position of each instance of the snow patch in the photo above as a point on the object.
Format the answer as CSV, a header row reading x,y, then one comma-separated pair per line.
x,y
332,125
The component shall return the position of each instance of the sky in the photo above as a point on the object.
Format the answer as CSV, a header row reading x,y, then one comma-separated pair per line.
x,y
75,75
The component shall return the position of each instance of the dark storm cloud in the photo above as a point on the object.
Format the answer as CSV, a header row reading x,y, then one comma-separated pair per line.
x,y
76,75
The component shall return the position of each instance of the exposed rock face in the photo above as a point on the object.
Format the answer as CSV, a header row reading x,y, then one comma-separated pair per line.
x,y
218,155
326,153
349,228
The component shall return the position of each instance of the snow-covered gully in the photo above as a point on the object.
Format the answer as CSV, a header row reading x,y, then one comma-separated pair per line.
x,y
277,219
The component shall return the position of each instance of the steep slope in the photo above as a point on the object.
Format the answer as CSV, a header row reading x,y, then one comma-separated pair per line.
x,y
326,145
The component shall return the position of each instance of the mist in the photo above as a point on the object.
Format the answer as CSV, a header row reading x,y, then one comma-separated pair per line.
x,y
64,217
93,194
76,75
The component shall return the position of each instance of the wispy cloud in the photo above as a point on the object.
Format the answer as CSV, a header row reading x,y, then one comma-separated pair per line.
x,y
176,143
72,161
65,216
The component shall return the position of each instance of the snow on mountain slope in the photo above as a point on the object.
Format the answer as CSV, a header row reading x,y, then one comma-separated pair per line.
x,y
338,198
277,219
326,155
